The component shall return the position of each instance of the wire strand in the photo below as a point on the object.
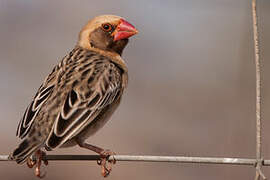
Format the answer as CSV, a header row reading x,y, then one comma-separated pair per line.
x,y
144,158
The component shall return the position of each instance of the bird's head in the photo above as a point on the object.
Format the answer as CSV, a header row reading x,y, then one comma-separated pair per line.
x,y
106,32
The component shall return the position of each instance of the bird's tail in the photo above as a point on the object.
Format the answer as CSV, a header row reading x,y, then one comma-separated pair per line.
x,y
25,150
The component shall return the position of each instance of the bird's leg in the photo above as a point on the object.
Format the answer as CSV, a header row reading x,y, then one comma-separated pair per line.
x,y
104,155
39,158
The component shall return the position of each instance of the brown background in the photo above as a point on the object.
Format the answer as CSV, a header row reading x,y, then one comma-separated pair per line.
x,y
191,87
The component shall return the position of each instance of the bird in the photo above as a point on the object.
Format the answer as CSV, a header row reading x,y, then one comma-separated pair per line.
x,y
79,95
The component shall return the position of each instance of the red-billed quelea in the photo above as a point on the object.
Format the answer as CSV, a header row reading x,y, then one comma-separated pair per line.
x,y
80,94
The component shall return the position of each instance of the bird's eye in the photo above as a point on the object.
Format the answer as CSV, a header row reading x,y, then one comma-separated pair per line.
x,y
107,27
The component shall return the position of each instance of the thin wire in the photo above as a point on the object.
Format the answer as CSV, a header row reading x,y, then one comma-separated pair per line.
x,y
175,159
258,81
258,94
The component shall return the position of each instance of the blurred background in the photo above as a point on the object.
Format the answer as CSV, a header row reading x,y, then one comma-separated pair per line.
x,y
191,83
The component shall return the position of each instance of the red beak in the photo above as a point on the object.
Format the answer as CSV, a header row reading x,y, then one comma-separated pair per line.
x,y
124,30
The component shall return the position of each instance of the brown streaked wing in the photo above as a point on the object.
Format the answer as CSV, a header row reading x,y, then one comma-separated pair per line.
x,y
32,111
77,113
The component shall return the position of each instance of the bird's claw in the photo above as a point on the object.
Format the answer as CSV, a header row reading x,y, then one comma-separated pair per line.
x,y
106,168
37,162
38,173
31,163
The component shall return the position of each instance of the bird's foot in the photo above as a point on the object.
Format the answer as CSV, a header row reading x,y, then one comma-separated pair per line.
x,y
37,162
104,157
106,168
31,163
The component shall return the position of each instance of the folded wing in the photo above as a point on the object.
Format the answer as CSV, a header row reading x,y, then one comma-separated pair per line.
x,y
81,106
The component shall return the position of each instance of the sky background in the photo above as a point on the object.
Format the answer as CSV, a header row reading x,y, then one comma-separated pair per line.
x,y
191,83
